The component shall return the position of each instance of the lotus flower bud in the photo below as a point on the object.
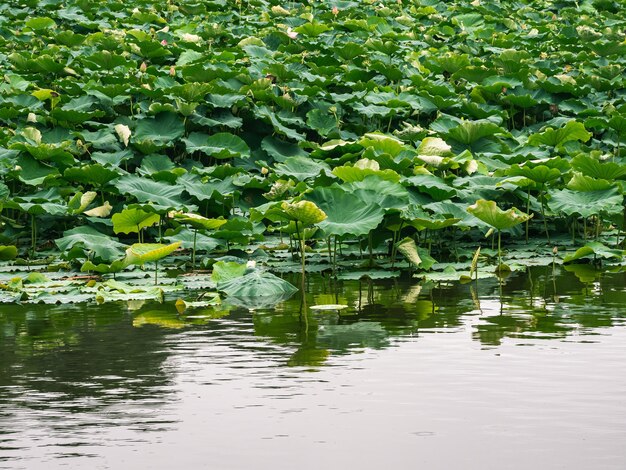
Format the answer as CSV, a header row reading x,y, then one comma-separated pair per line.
x,y
143,67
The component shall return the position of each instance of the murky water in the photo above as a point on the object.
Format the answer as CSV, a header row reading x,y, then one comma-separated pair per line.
x,y
449,376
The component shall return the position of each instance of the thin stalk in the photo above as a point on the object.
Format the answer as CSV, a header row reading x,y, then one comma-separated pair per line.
x,y
543,214
527,211
33,233
193,251
301,239
369,246
499,249
330,254
156,272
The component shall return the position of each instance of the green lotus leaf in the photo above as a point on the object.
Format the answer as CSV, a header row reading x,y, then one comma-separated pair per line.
x,y
350,174
571,131
280,150
95,175
33,172
90,240
469,132
618,123
433,186
540,174
207,190
40,23
373,190
226,270
323,122
306,212
197,221
491,214
8,252
104,268
382,143
421,223
590,166
133,220
301,168
152,134
586,203
141,253
258,285
148,191
221,145
580,182
596,249
312,29
347,214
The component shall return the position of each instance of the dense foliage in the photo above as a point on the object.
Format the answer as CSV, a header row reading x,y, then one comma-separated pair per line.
x,y
206,125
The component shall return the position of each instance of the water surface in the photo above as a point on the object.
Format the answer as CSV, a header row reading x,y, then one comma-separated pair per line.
x,y
528,374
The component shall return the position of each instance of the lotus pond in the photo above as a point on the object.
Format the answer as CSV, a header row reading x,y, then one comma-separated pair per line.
x,y
525,373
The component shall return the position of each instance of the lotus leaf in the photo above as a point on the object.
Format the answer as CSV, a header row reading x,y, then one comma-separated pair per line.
x,y
301,168
197,221
158,132
141,253
226,270
595,168
596,249
133,220
221,145
571,131
586,203
490,213
8,252
103,247
257,285
580,182
346,213
306,212
148,191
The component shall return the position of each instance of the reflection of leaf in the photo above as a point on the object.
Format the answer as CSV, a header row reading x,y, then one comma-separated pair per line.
x,y
343,337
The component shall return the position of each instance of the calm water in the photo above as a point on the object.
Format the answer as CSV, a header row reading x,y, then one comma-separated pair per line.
x,y
435,376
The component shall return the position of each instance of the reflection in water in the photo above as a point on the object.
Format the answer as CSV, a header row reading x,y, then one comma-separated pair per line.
x,y
70,375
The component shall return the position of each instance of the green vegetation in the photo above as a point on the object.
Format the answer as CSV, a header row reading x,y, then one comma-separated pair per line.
x,y
219,131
